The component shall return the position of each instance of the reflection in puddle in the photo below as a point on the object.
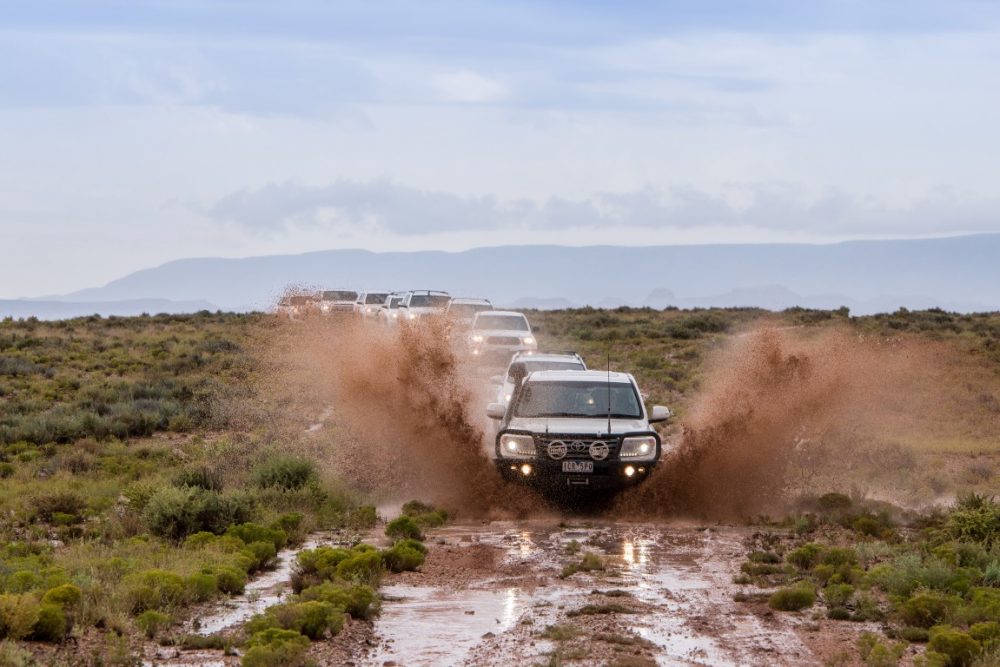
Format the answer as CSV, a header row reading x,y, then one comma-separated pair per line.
x,y
431,626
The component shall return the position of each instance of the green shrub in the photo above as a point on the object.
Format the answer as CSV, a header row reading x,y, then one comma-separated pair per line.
x,y
364,567
261,555
312,618
976,519
12,655
403,527
18,614
200,477
358,600
51,624
202,586
838,595
275,647
402,558
928,608
176,513
806,556
23,581
877,654
230,580
991,575
362,517
832,502
424,514
156,589
66,595
957,645
6,470
66,503
313,566
288,473
252,532
793,598
151,622
986,633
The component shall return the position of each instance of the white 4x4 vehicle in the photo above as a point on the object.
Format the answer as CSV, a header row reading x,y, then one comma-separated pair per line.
x,y
368,303
421,303
337,301
577,428
523,364
388,312
461,311
497,334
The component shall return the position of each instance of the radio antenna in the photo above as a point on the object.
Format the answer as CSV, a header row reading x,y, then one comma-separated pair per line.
x,y
609,389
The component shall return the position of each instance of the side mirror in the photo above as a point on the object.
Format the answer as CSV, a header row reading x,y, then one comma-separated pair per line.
x,y
496,379
496,410
659,413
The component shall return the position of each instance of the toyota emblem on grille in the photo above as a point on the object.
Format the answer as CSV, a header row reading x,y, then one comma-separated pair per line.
x,y
557,449
599,450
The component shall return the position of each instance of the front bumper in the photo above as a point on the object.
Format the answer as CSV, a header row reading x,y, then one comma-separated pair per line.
x,y
498,353
548,474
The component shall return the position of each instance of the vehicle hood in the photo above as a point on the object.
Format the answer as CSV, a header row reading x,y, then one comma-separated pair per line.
x,y
578,426
515,333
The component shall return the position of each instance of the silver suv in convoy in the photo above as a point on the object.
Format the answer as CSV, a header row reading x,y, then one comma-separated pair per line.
x,y
388,312
577,429
462,310
495,335
420,303
522,364
367,304
337,301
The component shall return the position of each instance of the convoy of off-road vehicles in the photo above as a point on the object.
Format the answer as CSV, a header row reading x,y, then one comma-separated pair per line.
x,y
556,424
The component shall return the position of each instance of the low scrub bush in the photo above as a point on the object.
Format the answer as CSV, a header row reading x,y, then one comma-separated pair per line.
x,y
51,624
311,618
259,554
425,515
151,622
201,586
590,562
875,653
157,590
175,513
275,647
976,518
66,595
252,532
358,600
793,598
364,567
230,580
806,556
403,527
403,557
928,608
18,614
960,648
313,566
288,473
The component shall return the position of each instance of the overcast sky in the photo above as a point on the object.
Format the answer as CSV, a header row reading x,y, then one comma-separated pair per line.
x,y
132,133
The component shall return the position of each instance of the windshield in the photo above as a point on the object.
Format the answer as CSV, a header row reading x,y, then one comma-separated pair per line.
x,y
521,369
502,322
299,300
395,301
339,295
467,309
429,300
375,297
577,399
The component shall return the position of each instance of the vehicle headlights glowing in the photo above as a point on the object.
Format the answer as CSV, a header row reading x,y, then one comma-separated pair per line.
x,y
413,316
476,338
515,446
528,340
639,448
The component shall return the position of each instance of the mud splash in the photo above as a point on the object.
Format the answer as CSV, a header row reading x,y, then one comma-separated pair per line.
x,y
778,398
403,412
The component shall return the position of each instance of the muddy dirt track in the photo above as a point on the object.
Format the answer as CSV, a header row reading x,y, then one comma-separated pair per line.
x,y
496,593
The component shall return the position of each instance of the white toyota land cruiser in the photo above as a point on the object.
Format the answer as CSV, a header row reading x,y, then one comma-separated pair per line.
x,y
577,428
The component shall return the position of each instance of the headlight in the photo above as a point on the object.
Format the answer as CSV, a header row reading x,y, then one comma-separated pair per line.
x,y
515,446
528,340
413,316
325,308
477,339
640,448
393,315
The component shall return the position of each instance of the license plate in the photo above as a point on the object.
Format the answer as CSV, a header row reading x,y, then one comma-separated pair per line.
x,y
578,466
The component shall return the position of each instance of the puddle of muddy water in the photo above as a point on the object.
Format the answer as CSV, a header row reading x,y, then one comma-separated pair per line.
x,y
269,589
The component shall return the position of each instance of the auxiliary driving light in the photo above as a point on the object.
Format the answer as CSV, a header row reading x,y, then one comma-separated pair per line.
x,y
629,471
526,469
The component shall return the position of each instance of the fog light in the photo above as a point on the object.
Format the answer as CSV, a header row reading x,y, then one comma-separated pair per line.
x,y
526,469
642,470
629,471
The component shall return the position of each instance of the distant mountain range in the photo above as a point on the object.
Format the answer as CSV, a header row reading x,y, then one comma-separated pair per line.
x,y
958,273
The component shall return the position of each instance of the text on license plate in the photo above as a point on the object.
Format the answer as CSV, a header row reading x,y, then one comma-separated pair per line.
x,y
578,466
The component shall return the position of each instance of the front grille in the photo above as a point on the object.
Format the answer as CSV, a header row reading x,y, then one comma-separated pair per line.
x,y
503,340
576,447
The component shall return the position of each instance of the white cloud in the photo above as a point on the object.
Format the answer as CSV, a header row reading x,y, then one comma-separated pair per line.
x,y
468,86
